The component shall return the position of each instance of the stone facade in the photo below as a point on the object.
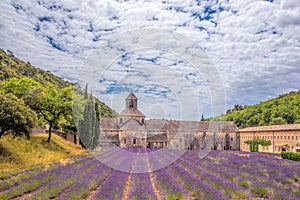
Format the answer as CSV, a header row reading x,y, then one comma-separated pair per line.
x,y
131,129
281,136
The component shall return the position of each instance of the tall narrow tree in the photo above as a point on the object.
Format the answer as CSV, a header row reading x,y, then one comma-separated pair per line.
x,y
89,127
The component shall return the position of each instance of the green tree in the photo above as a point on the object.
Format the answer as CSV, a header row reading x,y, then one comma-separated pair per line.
x,y
24,88
53,104
202,118
277,121
15,116
257,141
89,126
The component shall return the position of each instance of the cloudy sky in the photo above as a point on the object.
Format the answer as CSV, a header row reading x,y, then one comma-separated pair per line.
x,y
181,58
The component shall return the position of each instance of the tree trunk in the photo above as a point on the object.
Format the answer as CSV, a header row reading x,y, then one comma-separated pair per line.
x,y
49,132
75,138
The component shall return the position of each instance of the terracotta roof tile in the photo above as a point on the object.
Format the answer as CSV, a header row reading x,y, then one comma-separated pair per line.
x,y
282,127
131,96
131,112
108,124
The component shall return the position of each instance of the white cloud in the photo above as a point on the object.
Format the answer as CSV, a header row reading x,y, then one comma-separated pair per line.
x,y
254,45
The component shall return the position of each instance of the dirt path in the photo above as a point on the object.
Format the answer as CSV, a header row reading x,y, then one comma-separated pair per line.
x,y
157,194
127,185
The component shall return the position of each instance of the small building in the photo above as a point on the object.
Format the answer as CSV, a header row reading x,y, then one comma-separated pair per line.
x,y
131,129
282,137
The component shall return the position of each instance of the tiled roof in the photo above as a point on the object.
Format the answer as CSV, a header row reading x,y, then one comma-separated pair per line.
x,y
109,124
133,124
157,137
190,126
283,127
131,96
131,112
174,126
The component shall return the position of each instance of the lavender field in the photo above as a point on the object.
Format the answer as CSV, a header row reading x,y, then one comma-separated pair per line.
x,y
219,175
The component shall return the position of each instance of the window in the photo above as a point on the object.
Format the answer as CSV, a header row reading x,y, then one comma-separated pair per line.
x,y
292,137
296,137
231,139
277,137
121,120
131,104
285,137
288,137
281,137
124,141
134,141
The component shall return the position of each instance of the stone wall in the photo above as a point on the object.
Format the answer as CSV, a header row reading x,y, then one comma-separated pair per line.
x,y
67,136
281,139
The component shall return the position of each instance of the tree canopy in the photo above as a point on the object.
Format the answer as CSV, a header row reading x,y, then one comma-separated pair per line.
x,y
284,109
53,104
16,117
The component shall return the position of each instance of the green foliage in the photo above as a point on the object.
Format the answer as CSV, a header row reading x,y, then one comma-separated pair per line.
x,y
290,155
176,196
25,88
53,104
281,110
15,116
22,88
12,67
238,194
244,184
259,191
257,141
89,131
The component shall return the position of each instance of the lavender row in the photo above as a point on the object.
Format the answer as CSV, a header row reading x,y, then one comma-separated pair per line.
x,y
140,187
166,184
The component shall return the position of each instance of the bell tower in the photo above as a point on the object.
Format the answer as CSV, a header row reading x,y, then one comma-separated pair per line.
x,y
131,111
131,101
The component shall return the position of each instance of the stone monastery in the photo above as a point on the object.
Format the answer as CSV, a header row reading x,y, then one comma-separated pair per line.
x,y
131,129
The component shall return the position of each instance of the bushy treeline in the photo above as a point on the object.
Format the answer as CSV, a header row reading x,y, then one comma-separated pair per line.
x,y
13,67
41,99
284,109
290,155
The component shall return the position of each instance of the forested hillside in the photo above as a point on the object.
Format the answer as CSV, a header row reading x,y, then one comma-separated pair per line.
x,y
285,109
12,67
31,96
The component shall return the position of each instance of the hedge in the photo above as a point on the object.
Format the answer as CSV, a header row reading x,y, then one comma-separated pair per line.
x,y
290,155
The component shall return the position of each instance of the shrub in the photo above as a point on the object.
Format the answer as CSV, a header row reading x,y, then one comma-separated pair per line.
x,y
176,196
239,194
244,184
290,155
259,191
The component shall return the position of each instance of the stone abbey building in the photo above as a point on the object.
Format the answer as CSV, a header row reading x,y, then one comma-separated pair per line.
x,y
131,129
283,137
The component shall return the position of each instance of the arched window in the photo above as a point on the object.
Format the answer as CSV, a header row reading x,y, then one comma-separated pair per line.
x,y
124,141
134,141
131,104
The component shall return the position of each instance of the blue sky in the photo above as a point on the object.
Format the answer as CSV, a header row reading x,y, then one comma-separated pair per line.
x,y
182,58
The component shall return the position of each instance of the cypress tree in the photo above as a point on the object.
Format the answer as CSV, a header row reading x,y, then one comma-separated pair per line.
x,y
89,129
